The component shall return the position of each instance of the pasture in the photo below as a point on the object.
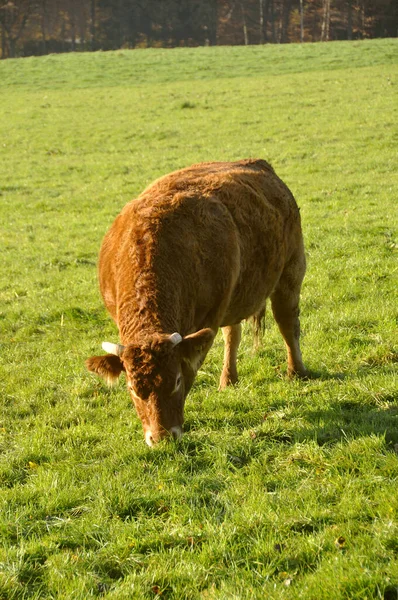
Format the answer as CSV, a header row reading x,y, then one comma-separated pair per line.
x,y
278,489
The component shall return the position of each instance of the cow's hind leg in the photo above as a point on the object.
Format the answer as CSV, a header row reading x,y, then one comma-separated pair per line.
x,y
231,335
285,306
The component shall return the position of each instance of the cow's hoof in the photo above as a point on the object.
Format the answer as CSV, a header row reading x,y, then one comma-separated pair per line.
x,y
301,374
227,379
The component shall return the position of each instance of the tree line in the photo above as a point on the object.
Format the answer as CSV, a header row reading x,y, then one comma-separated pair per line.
x,y
34,27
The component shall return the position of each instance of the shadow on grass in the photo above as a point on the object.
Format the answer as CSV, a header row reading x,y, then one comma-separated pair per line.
x,y
313,375
391,592
354,413
353,417
347,421
323,375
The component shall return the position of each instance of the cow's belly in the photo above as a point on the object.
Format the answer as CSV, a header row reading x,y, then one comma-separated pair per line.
x,y
244,306
251,291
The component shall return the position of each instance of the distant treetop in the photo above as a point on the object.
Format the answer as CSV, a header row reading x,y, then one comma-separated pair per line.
x,y
34,27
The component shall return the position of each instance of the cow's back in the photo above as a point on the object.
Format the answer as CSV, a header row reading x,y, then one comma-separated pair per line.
x,y
267,218
214,236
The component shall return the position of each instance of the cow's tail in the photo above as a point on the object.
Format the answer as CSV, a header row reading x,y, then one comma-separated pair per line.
x,y
258,321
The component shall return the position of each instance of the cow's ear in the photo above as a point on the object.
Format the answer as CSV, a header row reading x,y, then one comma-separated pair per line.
x,y
108,367
195,346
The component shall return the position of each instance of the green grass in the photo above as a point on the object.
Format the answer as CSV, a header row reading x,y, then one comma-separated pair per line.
x,y
278,489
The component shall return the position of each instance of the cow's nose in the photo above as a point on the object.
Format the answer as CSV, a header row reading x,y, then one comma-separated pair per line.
x,y
152,438
149,439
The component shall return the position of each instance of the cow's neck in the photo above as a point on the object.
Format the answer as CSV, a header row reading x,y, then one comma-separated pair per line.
x,y
149,308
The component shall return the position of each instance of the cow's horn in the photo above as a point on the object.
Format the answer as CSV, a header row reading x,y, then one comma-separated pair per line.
x,y
175,339
110,348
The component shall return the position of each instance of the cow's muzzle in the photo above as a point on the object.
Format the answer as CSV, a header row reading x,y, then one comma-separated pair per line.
x,y
152,437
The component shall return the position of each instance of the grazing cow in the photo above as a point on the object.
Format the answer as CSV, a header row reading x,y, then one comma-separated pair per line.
x,y
199,249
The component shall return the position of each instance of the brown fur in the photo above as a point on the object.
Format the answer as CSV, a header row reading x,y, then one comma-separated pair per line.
x,y
199,249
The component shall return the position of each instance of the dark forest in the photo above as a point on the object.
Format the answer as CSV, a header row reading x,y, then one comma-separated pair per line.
x,y
35,27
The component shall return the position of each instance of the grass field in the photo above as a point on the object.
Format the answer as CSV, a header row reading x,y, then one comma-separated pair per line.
x,y
278,489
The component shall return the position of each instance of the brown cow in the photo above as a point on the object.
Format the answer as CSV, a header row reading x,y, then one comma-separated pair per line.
x,y
199,249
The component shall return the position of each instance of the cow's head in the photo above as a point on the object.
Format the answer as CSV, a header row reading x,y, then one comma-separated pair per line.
x,y
160,371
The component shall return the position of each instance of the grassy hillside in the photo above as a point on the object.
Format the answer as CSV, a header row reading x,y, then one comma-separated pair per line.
x,y
278,489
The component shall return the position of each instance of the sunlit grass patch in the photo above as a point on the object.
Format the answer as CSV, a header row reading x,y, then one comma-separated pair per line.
x,y
278,489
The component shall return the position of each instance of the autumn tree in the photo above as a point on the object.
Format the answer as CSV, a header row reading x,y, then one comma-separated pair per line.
x,y
42,26
13,18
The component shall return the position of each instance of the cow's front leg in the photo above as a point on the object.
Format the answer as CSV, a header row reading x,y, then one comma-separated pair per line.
x,y
231,335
